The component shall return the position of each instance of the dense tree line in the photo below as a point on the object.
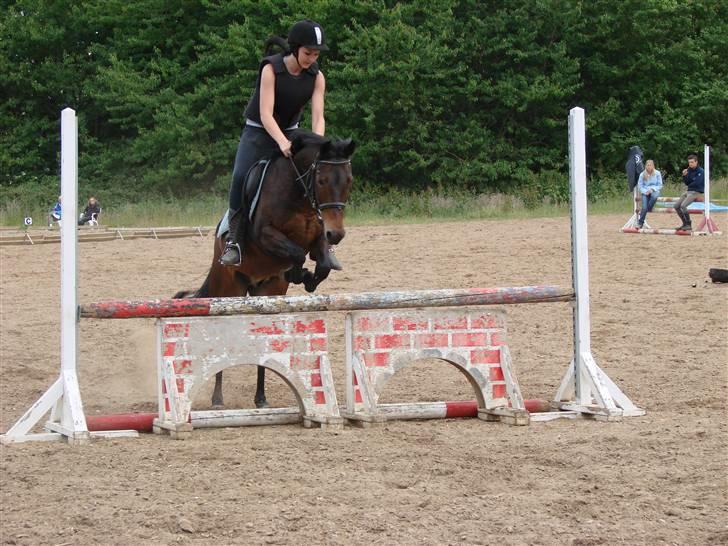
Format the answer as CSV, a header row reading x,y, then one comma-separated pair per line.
x,y
462,93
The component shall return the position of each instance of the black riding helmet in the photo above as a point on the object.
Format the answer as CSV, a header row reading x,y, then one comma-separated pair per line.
x,y
308,34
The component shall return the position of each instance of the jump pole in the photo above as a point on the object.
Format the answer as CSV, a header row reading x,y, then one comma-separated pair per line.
x,y
268,305
143,422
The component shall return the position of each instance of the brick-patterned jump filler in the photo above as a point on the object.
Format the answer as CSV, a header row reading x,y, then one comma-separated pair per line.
x,y
186,359
193,350
381,343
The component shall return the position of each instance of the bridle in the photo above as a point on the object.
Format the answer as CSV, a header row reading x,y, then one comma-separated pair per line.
x,y
308,182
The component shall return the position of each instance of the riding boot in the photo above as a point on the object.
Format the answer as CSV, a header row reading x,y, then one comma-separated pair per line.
x,y
233,253
682,218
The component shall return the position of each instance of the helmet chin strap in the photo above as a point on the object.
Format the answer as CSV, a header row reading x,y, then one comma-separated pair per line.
x,y
295,56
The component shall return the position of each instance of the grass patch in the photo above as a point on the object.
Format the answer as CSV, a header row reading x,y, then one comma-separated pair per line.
x,y
367,206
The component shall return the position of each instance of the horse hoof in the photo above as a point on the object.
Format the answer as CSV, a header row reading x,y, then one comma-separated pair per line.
x,y
261,404
218,406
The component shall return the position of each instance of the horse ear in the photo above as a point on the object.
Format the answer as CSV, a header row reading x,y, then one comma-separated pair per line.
x,y
349,147
325,148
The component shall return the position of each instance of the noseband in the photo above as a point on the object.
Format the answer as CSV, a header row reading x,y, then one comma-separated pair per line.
x,y
308,181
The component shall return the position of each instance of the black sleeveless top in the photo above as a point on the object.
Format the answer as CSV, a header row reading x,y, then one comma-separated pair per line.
x,y
292,93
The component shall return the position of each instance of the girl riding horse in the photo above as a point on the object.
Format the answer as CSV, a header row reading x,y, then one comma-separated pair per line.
x,y
299,207
286,83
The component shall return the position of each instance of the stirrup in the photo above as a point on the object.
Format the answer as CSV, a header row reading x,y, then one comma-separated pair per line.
x,y
229,246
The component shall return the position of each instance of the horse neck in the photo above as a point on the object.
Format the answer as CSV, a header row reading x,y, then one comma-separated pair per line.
x,y
304,159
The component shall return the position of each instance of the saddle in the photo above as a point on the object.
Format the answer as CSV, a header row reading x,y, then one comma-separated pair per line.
x,y
252,187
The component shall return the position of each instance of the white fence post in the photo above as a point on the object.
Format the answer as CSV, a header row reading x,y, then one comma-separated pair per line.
x,y
579,247
594,392
706,168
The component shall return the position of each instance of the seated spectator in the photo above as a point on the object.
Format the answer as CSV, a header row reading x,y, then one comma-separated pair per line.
x,y
55,214
650,185
90,214
694,179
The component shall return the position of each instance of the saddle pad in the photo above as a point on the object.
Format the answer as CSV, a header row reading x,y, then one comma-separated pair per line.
x,y
254,184
251,194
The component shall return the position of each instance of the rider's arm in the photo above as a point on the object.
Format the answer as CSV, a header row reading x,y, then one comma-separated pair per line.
x,y
267,101
318,123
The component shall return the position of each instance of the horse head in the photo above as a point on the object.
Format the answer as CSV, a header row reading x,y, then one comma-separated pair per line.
x,y
329,181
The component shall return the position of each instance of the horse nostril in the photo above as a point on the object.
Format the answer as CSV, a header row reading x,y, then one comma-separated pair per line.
x,y
334,236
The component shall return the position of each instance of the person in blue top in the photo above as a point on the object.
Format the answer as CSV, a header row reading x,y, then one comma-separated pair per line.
x,y
55,215
650,185
694,178
286,83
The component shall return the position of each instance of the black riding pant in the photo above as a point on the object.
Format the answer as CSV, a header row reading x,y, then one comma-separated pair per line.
x,y
255,144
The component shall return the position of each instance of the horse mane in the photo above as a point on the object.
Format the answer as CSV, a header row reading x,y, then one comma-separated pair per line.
x,y
329,149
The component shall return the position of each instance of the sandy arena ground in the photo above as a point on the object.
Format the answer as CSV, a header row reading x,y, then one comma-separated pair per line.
x,y
660,330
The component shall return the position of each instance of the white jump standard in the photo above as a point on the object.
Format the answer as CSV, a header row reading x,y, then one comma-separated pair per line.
x,y
273,333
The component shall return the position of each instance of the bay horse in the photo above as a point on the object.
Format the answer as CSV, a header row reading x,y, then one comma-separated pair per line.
x,y
300,207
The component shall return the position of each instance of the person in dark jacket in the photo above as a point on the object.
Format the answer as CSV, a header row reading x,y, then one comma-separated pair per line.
x,y
694,179
91,212
286,83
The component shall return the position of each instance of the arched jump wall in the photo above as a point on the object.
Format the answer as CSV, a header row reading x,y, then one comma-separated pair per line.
x,y
381,343
193,350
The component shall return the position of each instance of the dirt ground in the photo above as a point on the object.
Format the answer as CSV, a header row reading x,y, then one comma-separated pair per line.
x,y
659,329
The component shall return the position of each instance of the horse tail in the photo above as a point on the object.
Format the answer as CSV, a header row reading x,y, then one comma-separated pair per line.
x,y
183,294
202,292
276,41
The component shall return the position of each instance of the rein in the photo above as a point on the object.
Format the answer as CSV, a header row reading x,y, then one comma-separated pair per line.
x,y
308,182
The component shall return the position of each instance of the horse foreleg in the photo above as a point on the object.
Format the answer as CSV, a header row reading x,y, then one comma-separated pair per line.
x,y
217,392
275,243
321,254
312,280
260,401
297,274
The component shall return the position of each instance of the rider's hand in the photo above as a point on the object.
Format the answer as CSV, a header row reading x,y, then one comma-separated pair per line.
x,y
286,148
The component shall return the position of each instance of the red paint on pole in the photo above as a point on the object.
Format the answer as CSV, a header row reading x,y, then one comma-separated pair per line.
x,y
464,408
141,422
469,408
147,309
